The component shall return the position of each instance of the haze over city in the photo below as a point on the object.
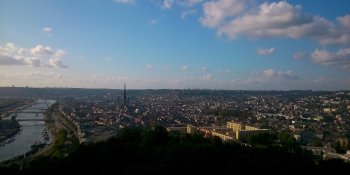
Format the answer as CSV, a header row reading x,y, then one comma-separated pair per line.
x,y
213,44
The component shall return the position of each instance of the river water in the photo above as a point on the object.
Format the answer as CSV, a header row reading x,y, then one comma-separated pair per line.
x,y
31,131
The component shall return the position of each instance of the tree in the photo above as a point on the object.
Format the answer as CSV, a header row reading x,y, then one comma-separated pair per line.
x,y
13,118
316,143
336,146
13,166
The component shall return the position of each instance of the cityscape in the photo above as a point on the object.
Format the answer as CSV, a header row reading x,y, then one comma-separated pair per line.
x,y
317,121
175,87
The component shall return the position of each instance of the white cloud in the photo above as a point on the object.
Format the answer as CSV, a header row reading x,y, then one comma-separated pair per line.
x,y
155,80
340,59
203,69
47,29
273,20
61,76
216,11
207,77
39,50
6,59
108,58
183,80
338,34
265,51
269,20
224,71
120,79
328,82
344,21
81,57
343,39
10,47
286,75
33,61
236,81
167,67
97,76
189,3
48,74
125,1
149,66
347,81
23,51
299,55
270,73
167,4
250,81
185,68
319,80
153,21
55,62
188,12
60,53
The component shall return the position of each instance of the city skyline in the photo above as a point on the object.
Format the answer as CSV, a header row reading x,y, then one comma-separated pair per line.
x,y
176,44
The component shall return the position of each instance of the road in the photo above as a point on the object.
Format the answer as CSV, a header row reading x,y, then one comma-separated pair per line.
x,y
61,123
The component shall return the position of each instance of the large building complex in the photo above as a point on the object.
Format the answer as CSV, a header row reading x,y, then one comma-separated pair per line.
x,y
242,132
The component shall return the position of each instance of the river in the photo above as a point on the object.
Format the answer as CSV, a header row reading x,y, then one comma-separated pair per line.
x,y
31,131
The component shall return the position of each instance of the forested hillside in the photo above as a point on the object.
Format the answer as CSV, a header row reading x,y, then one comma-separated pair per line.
x,y
156,151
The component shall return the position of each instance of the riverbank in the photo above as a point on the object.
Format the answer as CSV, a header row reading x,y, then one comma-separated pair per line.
x,y
15,108
31,133
47,149
8,130
52,128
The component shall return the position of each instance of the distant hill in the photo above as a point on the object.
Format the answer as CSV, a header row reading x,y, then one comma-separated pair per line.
x,y
76,92
52,92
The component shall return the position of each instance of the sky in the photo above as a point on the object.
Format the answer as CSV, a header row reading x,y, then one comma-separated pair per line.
x,y
176,44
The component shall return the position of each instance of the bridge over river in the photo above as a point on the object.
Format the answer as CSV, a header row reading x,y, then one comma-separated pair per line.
x,y
31,111
32,119
36,111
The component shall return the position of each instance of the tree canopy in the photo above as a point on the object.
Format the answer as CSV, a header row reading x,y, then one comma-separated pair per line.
x,y
153,150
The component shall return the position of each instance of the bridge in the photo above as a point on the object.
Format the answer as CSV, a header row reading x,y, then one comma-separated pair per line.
x,y
45,120
31,111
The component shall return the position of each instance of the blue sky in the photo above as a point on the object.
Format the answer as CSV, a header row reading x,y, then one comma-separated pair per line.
x,y
177,44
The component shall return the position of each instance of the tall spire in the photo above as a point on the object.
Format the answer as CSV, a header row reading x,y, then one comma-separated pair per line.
x,y
125,94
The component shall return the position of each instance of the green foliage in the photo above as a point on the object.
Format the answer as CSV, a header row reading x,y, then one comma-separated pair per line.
x,y
57,155
50,109
346,148
316,143
284,137
60,140
13,118
12,166
70,122
259,138
336,146
155,151
75,143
